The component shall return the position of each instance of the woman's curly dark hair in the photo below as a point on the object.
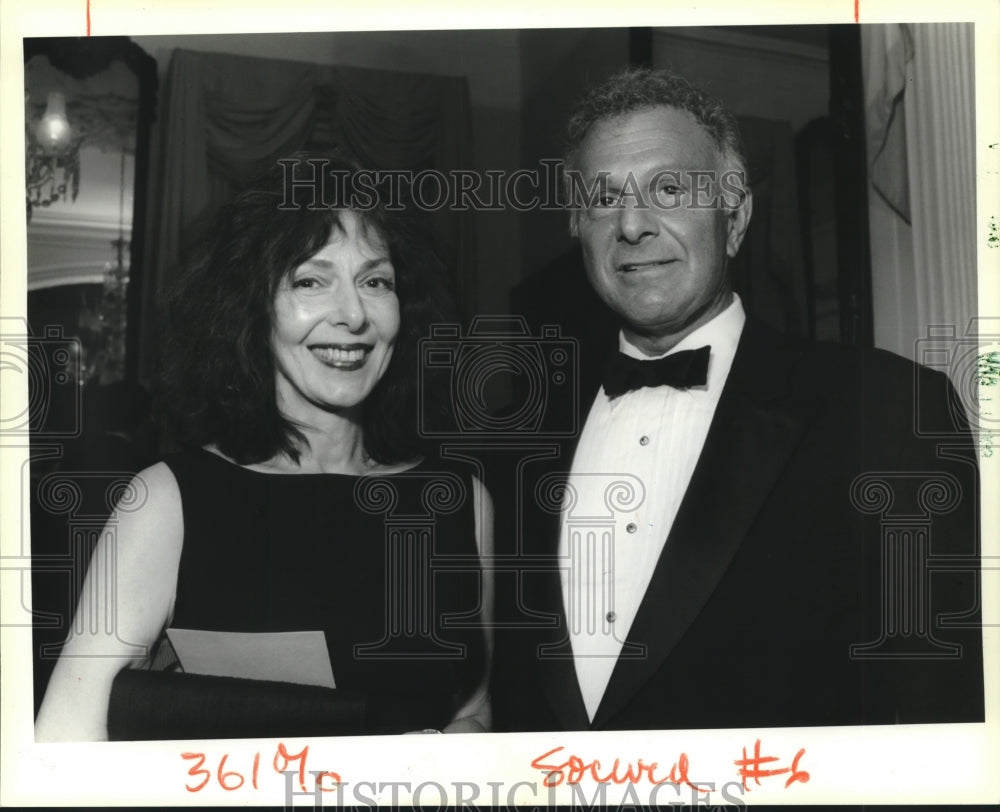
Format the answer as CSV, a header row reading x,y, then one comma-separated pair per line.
x,y
219,370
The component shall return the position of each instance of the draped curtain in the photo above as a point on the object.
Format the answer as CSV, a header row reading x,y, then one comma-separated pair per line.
x,y
920,117
226,118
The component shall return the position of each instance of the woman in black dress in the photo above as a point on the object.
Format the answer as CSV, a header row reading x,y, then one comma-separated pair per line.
x,y
304,499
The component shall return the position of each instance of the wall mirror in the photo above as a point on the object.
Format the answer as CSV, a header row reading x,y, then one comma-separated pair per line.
x,y
88,110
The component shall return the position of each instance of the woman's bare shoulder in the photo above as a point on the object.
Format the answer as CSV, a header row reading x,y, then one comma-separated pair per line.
x,y
153,493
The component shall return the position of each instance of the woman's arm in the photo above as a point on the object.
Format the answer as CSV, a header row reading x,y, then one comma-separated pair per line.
x,y
131,583
474,716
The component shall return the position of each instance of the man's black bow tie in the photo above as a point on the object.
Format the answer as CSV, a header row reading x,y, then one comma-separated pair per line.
x,y
679,370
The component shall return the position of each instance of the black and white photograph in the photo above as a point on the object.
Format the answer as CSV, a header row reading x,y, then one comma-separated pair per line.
x,y
614,391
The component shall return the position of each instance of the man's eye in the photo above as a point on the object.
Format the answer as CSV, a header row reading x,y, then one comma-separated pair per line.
x,y
305,282
668,190
605,202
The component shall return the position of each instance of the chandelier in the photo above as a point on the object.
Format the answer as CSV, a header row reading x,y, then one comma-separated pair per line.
x,y
60,117
62,122
52,154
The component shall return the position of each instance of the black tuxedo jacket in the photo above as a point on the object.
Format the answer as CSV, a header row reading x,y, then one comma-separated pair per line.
x,y
822,568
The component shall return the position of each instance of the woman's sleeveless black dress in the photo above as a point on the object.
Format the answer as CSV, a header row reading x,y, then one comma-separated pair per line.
x,y
386,567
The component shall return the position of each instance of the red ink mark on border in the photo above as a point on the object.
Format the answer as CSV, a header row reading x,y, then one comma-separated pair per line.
x,y
857,3
88,17
751,768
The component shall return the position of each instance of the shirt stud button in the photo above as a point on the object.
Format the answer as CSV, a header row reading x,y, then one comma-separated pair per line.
x,y
631,527
611,617
644,440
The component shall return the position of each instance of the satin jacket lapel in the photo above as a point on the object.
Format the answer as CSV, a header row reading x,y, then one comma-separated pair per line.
x,y
756,426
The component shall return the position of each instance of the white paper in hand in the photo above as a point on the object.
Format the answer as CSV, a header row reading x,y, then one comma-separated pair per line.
x,y
298,657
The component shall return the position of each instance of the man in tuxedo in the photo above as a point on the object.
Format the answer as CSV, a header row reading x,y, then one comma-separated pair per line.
x,y
746,529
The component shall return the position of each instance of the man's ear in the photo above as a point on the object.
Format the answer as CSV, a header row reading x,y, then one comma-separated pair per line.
x,y
736,225
574,223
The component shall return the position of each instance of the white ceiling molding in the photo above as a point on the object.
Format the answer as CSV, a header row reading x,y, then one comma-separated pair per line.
x,y
67,273
70,248
64,226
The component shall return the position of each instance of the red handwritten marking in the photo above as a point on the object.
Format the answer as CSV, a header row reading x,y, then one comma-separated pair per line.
x,y
334,776
195,770
797,774
299,757
224,775
750,767
857,4
231,780
575,769
88,18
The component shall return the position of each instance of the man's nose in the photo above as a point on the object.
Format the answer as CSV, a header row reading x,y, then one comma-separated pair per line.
x,y
636,222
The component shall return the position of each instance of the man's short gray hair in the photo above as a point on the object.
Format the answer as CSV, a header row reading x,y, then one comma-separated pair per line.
x,y
637,89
